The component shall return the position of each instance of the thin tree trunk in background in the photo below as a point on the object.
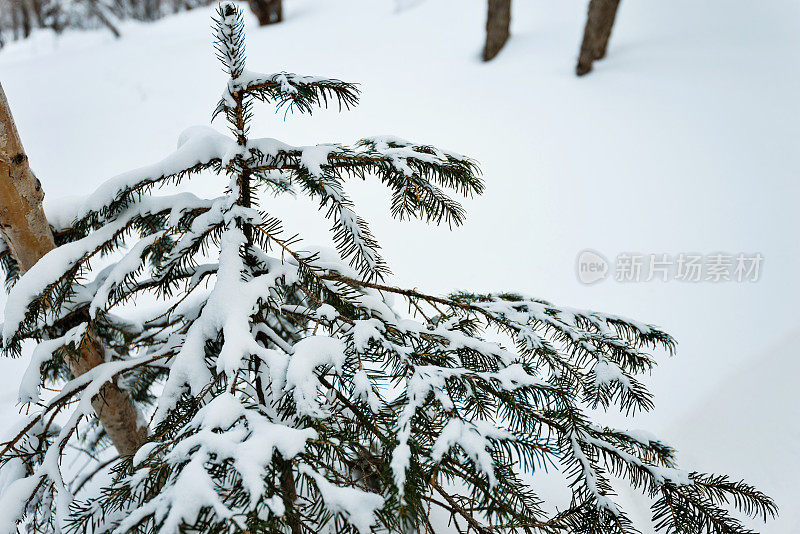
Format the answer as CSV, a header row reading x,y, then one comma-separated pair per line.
x,y
267,11
98,12
26,231
27,25
498,22
152,9
599,23
607,27
35,7
15,20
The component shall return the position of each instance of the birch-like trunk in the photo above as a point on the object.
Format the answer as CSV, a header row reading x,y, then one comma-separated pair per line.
x,y
26,231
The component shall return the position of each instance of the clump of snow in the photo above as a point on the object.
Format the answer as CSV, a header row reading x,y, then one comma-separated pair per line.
x,y
196,145
14,499
358,507
473,438
44,351
362,388
606,372
309,354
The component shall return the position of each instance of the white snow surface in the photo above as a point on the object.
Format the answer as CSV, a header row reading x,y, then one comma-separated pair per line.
x,y
684,139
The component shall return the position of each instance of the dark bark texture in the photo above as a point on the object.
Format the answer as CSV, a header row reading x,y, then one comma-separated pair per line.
x,y
599,22
498,22
267,11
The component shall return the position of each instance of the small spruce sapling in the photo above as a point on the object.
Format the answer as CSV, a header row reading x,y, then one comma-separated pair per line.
x,y
281,390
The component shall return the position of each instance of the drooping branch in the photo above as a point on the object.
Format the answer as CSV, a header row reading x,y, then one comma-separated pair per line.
x,y
26,231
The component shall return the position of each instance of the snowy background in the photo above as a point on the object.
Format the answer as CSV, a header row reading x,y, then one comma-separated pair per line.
x,y
685,139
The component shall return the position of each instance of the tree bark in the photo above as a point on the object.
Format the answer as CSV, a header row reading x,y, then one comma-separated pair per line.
x,y
26,231
599,22
289,493
498,22
267,11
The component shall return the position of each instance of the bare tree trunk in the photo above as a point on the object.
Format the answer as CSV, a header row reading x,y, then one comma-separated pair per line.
x,y
599,22
498,22
27,26
35,8
267,11
26,231
152,9
98,12
15,20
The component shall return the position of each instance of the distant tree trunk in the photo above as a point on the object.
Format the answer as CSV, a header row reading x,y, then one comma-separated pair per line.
x,y
498,22
27,26
35,8
27,233
15,21
599,22
267,11
152,9
97,11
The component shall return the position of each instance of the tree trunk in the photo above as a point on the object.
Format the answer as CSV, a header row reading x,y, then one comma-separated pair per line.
x,y
599,22
35,7
152,9
26,231
27,26
498,22
267,11
15,20
98,12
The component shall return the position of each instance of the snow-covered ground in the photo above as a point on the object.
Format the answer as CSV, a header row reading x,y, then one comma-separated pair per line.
x,y
683,140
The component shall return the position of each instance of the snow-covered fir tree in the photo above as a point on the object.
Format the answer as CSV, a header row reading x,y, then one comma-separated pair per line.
x,y
291,389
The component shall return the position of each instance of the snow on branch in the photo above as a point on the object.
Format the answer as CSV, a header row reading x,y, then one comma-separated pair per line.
x,y
47,285
291,91
413,172
199,148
